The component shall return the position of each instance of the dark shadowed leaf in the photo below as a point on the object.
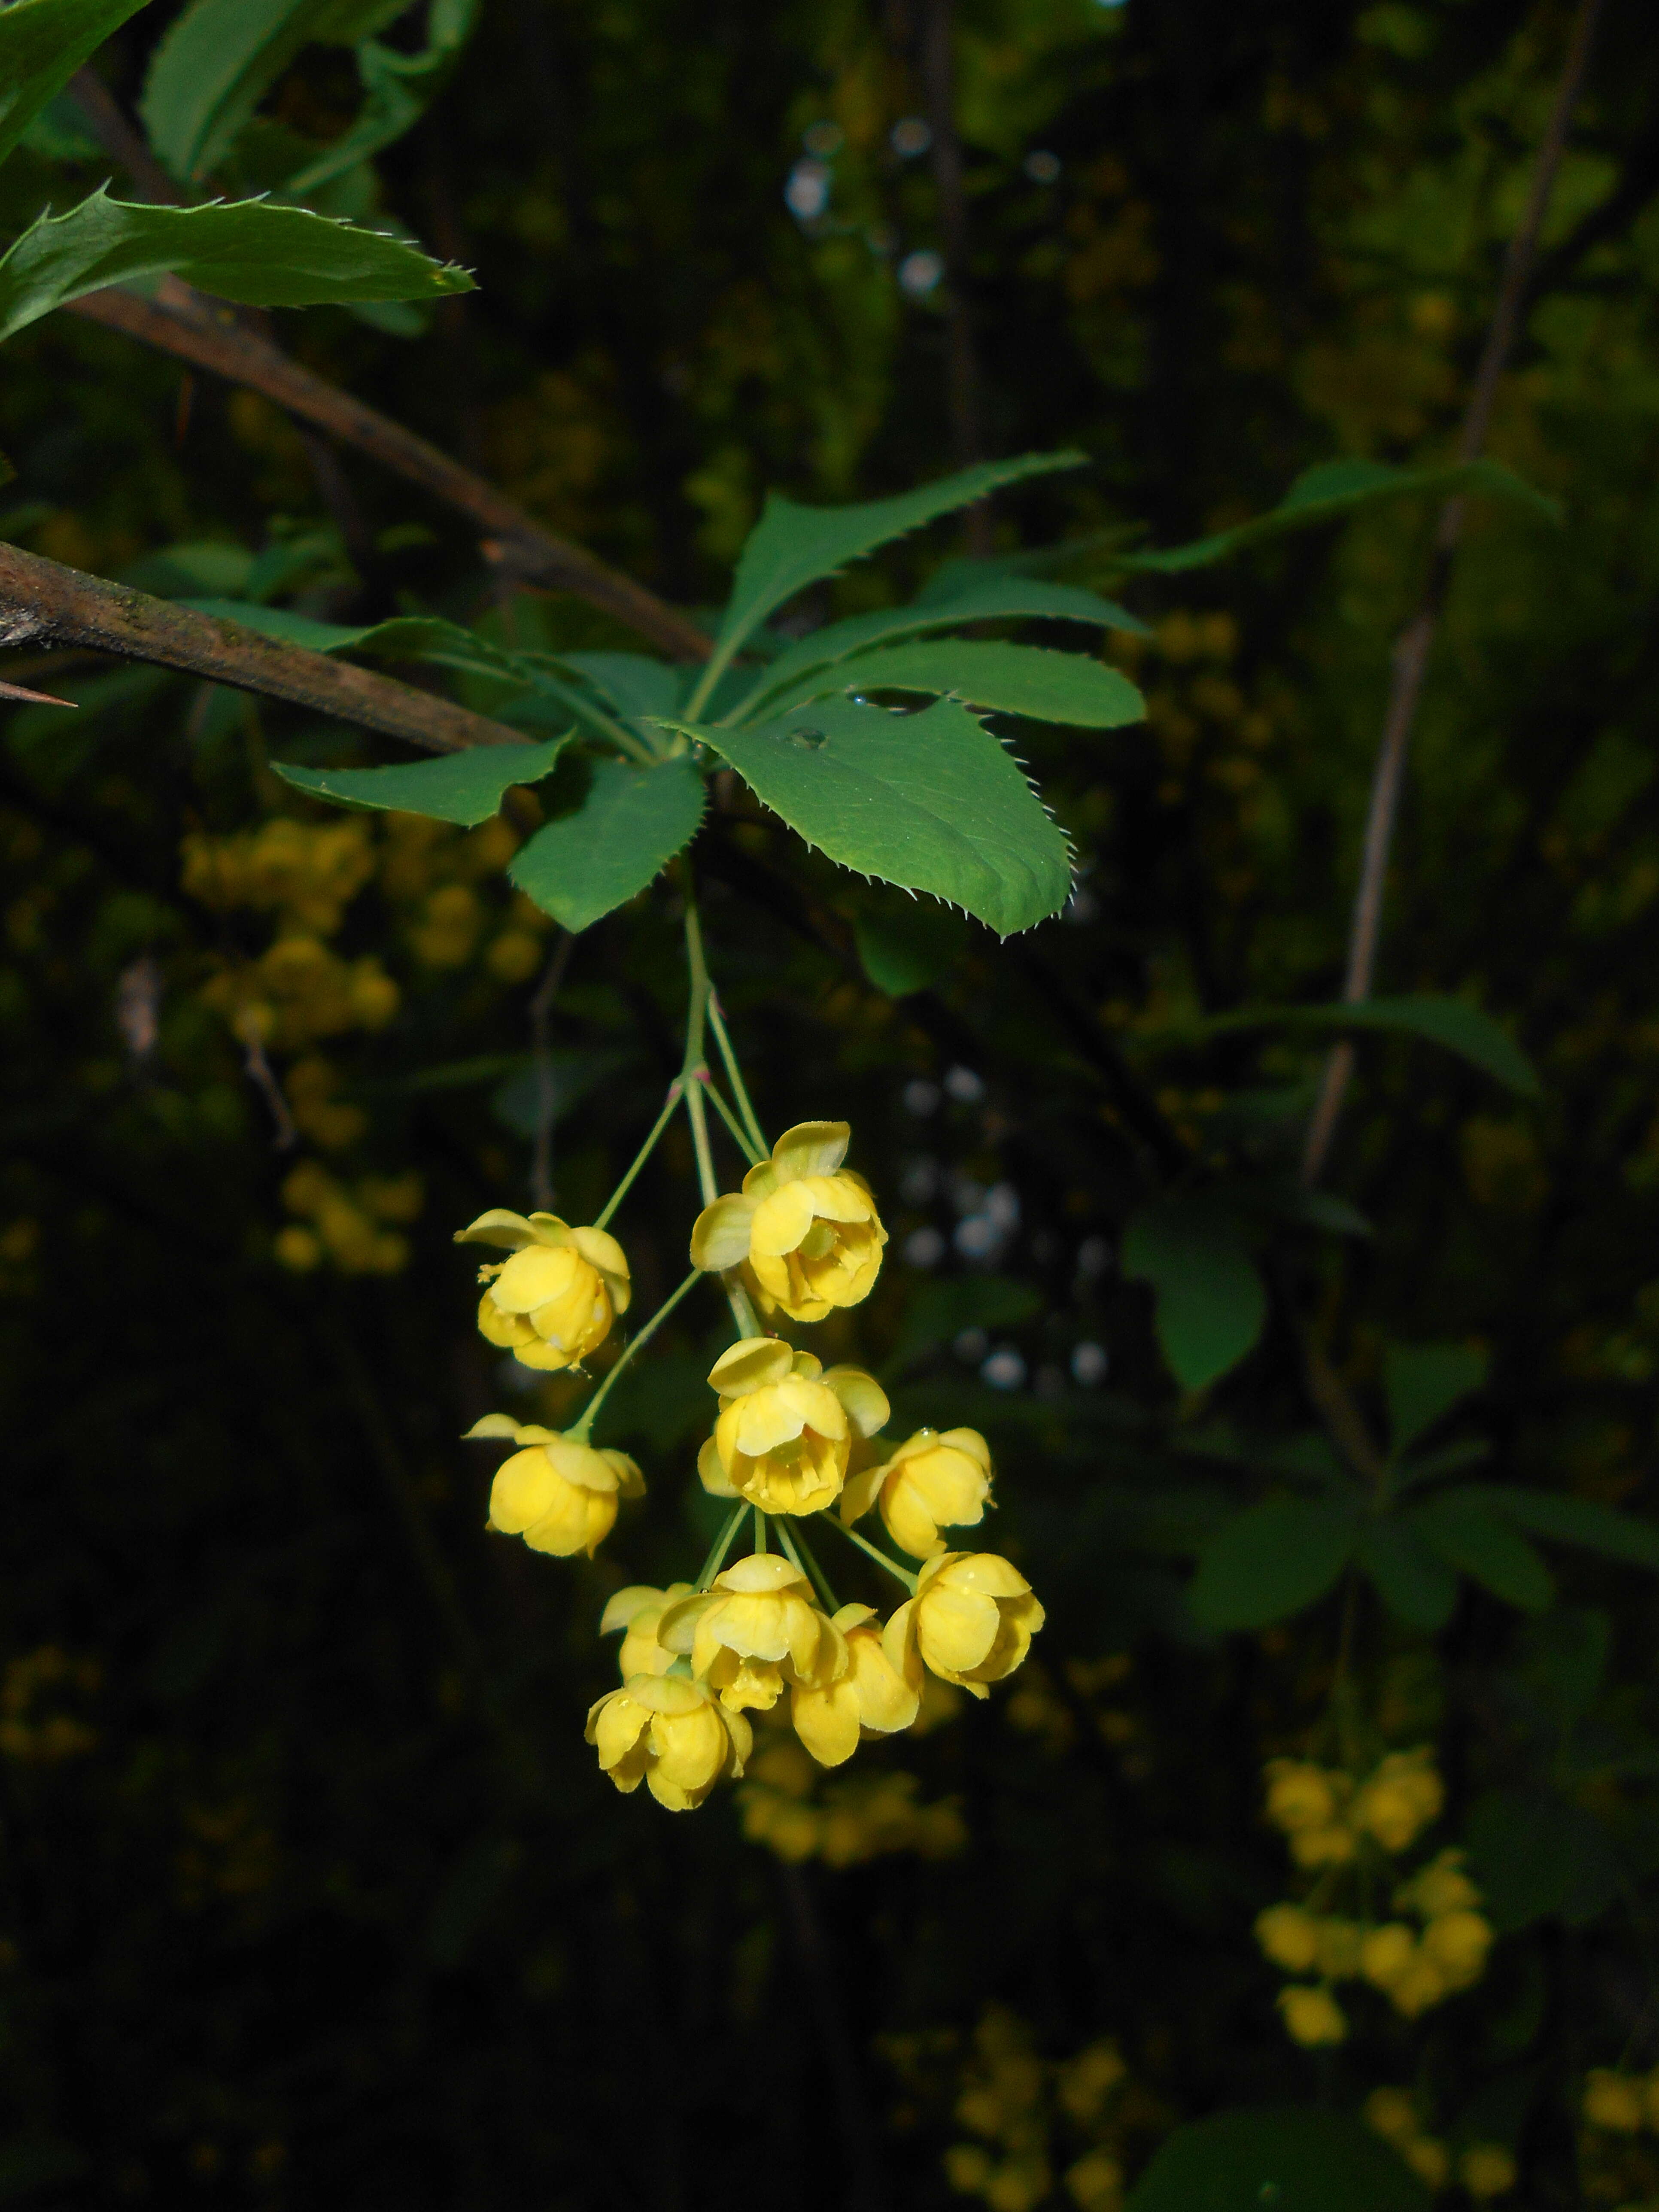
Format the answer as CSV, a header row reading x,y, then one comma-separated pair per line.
x,y
1211,1301
1414,1583
1423,1383
1289,2159
42,44
1270,1561
1482,1544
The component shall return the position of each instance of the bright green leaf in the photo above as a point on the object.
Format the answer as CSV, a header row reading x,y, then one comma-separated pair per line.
x,y
1414,1583
42,44
1483,1545
1211,1304
463,786
1422,1383
1013,679
1288,2159
632,823
405,637
248,249
1015,598
1336,488
1582,1521
930,801
1270,1561
791,546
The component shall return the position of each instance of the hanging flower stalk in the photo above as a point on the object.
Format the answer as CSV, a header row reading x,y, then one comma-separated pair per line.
x,y
791,1442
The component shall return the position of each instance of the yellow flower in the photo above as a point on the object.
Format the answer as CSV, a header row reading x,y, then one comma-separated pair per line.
x,y
1441,1886
1428,2161
786,1427
1487,2170
1299,1796
757,1631
1392,2114
804,1229
1289,1935
559,1494
972,1618
554,1301
1399,1798
1391,1958
1095,2182
636,1610
1457,1944
872,1697
670,1734
932,1479
1613,2101
1312,2016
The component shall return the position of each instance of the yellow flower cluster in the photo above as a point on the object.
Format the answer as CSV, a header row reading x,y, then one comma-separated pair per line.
x,y
1014,2104
1485,2170
347,1227
1437,1940
1619,2159
789,1439
299,990
854,1819
1621,2104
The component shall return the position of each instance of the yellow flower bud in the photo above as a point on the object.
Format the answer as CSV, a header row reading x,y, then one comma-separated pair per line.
x,y
553,1302
872,1697
1441,1887
1317,1847
636,1610
558,1494
1457,1943
1299,1796
804,1230
670,1734
1399,1798
786,1427
1312,2016
1614,2100
1428,2161
1392,2114
1095,2182
754,1632
1387,1953
1487,2170
972,1619
1085,2082
932,1480
1289,1936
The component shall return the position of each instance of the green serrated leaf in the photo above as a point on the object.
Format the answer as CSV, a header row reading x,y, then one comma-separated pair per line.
x,y
467,787
1212,1304
42,44
1582,1521
931,802
791,546
1289,2159
218,60
1336,488
1013,679
1015,598
1483,1545
631,825
1270,1561
1414,1583
1422,1383
403,637
247,250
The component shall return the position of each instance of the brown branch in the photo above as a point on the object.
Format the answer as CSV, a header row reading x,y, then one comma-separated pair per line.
x,y
109,125
180,322
1416,641
42,603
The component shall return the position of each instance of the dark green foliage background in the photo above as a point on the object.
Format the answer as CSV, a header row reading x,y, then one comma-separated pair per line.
x,y
339,1909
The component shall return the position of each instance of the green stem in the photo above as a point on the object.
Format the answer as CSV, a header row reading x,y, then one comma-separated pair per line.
x,y
760,1530
734,1075
721,1545
644,1154
696,1013
899,1574
740,1136
713,668
584,1427
801,1552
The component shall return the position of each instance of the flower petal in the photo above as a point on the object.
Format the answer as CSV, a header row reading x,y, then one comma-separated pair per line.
x,y
498,1227
861,1395
827,1722
720,1234
748,1364
811,1148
